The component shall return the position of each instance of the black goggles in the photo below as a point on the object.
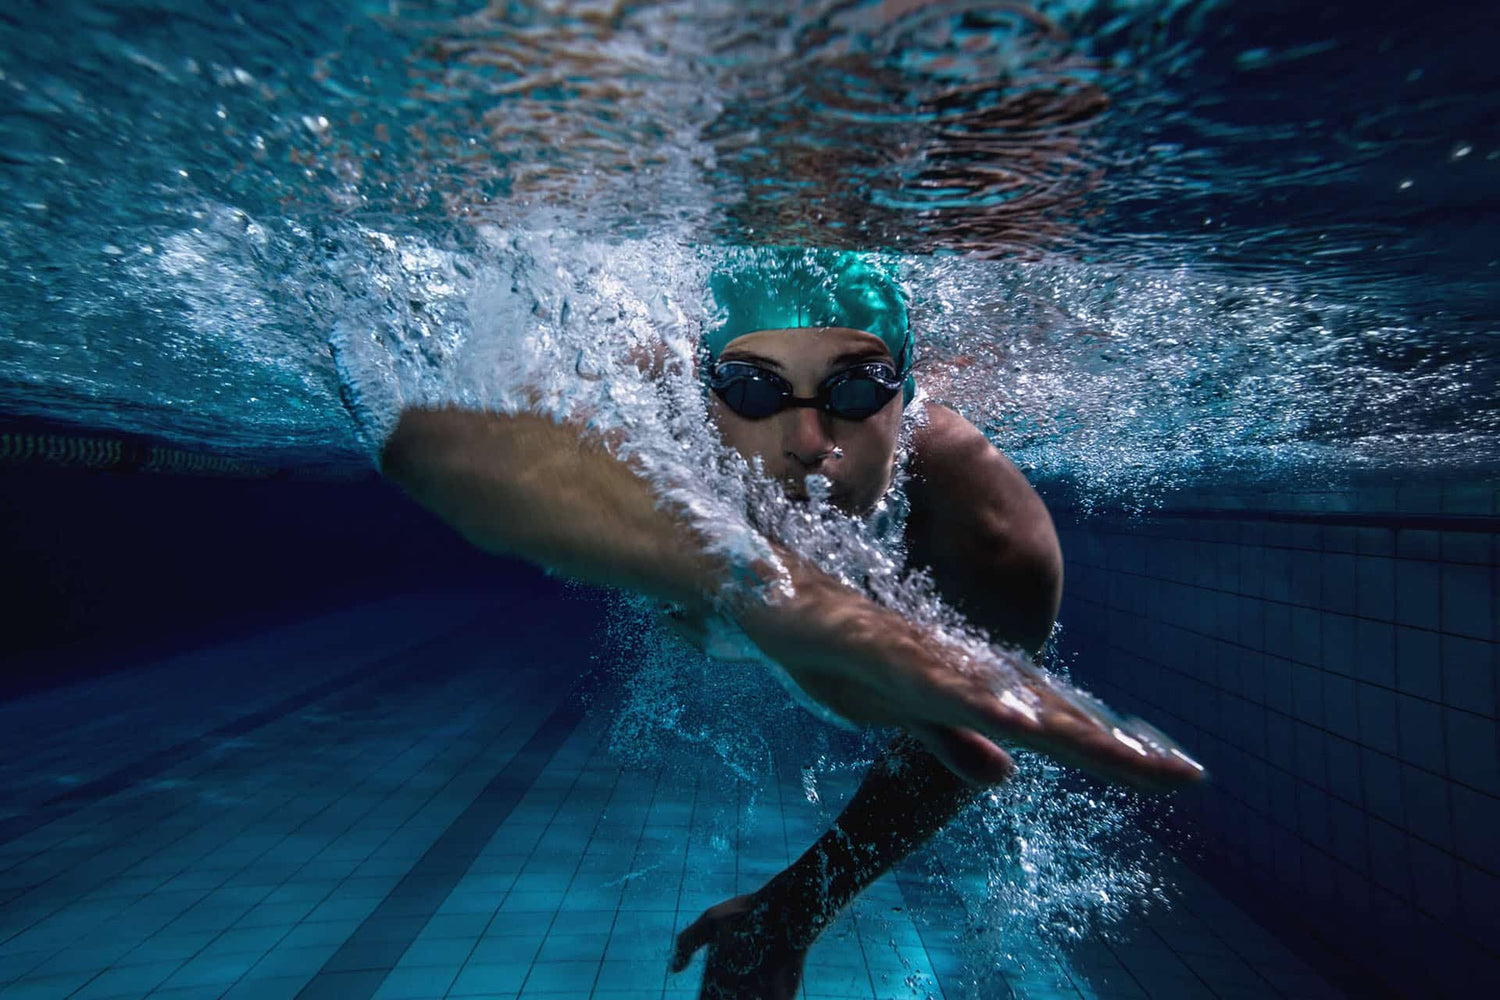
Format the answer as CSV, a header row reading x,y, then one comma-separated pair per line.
x,y
852,394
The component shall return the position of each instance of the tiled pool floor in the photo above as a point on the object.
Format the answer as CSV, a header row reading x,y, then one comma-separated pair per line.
x,y
401,802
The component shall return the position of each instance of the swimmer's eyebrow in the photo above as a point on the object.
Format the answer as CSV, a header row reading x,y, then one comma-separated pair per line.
x,y
863,354
755,358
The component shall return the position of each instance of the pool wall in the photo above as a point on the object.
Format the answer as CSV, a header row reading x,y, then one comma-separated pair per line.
x,y
1330,655
103,568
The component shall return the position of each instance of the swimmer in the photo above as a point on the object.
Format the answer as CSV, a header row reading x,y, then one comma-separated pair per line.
x,y
809,368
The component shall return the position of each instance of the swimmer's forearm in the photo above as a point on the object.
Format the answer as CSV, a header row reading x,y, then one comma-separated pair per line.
x,y
524,485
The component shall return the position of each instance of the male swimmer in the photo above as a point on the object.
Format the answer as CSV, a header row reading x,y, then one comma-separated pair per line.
x,y
809,366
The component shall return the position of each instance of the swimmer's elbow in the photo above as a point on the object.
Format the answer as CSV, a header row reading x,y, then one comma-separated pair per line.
x,y
414,448
438,459
1017,586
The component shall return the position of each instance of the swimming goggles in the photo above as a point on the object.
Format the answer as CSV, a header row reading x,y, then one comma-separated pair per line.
x,y
852,394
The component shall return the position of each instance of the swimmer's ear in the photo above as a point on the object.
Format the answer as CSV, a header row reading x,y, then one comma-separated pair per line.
x,y
967,754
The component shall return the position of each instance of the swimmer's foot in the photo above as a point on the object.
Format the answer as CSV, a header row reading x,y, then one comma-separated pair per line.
x,y
751,952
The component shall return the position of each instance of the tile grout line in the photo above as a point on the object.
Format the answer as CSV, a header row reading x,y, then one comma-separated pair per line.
x,y
125,777
432,878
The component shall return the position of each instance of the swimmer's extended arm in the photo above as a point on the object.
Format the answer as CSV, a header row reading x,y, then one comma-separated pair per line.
x,y
526,486
983,531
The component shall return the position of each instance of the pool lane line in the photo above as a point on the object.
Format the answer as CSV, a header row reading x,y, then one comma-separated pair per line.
x,y
368,955
59,445
123,778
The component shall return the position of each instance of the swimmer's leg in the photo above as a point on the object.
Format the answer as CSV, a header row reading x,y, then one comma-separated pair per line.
x,y
757,943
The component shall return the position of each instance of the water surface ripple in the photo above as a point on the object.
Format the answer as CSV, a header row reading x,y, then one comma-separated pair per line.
x,y
1149,241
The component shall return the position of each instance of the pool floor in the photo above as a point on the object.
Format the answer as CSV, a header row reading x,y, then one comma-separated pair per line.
x,y
400,801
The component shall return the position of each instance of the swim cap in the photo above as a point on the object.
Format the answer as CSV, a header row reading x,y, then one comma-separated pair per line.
x,y
779,288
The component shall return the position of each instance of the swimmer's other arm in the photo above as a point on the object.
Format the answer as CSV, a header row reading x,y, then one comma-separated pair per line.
x,y
983,532
551,494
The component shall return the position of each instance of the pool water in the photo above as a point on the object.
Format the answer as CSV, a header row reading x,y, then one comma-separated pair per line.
x,y
1220,277
408,799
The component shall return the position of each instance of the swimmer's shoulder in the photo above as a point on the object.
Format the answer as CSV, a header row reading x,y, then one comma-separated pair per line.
x,y
945,443
957,476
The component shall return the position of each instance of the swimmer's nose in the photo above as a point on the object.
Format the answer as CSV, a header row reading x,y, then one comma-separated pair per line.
x,y
809,437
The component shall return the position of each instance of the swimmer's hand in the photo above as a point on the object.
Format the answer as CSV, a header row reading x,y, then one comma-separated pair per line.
x,y
872,666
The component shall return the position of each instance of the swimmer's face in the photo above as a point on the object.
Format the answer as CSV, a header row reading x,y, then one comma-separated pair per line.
x,y
857,456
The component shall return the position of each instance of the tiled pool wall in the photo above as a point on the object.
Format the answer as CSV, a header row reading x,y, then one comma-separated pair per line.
x,y
1330,655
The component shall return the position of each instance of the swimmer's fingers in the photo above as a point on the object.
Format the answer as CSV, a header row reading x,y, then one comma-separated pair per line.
x,y
967,754
694,936
1074,729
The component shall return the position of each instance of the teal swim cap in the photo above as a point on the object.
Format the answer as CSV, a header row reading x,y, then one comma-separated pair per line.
x,y
780,288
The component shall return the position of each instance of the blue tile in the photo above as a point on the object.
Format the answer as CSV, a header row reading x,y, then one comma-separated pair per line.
x,y
1376,541
1252,570
1469,674
1343,770
410,982
1340,715
1355,889
1434,881
1306,589
1476,818
1307,694
480,978
1375,652
572,947
1377,718
1418,663
1252,670
1280,741
1338,573
1320,877
1382,785
1340,538
1429,813
1311,754
572,978
1347,824
1312,813
123,980
1376,588
1469,600
1287,853
1306,638
437,951
282,988
1478,897
1416,544
1421,733
1473,750
1468,547
509,949
1276,574
630,975
1390,860
1278,684
1337,644
1417,594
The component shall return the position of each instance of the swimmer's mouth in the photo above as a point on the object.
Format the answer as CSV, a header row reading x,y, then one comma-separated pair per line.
x,y
797,492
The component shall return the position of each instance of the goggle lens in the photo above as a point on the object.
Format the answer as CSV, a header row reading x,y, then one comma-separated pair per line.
x,y
752,398
854,394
